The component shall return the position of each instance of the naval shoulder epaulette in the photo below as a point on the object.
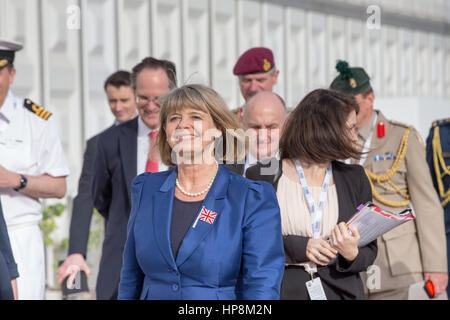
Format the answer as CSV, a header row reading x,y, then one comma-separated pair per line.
x,y
441,122
37,110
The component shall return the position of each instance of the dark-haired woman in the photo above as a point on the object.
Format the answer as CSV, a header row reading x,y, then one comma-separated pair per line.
x,y
317,194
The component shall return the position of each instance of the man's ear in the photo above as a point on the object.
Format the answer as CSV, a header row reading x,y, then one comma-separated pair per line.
x,y
275,76
371,97
12,75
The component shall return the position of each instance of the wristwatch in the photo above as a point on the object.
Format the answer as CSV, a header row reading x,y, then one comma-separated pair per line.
x,y
23,183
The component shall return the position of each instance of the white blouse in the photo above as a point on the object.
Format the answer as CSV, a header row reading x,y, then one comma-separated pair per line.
x,y
295,215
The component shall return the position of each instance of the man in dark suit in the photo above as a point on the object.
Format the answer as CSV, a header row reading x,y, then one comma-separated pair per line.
x,y
8,267
122,101
122,153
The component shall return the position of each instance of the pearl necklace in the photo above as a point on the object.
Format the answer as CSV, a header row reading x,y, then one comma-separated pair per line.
x,y
190,194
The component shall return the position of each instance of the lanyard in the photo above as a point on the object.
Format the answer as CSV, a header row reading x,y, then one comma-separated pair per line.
x,y
316,212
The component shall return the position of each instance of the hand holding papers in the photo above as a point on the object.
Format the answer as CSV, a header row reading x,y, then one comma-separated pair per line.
x,y
372,221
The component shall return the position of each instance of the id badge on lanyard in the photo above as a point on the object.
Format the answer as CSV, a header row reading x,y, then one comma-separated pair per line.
x,y
314,286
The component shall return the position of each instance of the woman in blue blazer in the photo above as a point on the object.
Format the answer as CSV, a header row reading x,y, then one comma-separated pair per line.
x,y
199,231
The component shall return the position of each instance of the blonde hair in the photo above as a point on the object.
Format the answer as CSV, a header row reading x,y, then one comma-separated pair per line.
x,y
205,99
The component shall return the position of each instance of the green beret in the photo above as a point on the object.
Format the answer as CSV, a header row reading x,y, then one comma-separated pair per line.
x,y
350,80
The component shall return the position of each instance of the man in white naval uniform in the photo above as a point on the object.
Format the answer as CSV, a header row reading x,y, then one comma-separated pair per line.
x,y
32,167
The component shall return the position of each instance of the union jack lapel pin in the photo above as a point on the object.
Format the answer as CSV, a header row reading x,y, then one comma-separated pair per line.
x,y
205,215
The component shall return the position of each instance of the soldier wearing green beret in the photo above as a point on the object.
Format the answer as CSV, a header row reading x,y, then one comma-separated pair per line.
x,y
394,160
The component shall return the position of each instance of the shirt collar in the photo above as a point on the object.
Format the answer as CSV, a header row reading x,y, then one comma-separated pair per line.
x,y
143,130
251,160
8,108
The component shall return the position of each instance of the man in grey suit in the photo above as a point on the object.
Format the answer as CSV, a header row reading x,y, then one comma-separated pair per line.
x,y
122,101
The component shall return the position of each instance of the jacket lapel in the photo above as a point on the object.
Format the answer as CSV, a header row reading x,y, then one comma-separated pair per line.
x,y
162,216
342,194
214,201
128,152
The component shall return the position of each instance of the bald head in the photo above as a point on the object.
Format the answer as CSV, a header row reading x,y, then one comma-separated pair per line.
x,y
264,107
265,113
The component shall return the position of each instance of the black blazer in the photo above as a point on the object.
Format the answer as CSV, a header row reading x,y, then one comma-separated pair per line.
x,y
8,266
83,204
340,280
237,168
114,168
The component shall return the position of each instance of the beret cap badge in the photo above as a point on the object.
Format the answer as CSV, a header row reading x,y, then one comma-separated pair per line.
x,y
350,80
266,65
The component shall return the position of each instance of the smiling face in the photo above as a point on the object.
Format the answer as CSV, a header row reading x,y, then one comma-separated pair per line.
x,y
151,84
122,102
191,133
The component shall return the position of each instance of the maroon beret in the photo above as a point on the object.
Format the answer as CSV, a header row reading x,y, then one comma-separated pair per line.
x,y
254,60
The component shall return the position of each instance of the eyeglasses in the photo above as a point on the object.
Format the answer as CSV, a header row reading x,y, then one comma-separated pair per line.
x,y
143,100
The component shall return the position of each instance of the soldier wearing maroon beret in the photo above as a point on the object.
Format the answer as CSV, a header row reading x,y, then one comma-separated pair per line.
x,y
256,72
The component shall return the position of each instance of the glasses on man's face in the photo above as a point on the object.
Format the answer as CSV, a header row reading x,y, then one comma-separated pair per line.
x,y
143,100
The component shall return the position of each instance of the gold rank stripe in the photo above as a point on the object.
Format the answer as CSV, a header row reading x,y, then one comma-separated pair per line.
x,y
38,110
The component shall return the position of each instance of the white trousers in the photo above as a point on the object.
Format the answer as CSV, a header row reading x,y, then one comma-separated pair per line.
x,y
28,250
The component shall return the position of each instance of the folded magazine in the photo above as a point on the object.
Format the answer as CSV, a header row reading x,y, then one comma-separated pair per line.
x,y
372,221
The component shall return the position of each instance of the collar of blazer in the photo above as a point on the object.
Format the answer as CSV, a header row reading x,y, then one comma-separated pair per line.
x,y
162,213
269,170
128,151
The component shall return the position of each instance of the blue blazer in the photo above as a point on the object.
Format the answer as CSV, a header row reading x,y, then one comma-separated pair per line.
x,y
239,256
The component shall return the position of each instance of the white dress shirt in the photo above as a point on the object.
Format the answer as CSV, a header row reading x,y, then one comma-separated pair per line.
x,y
250,160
